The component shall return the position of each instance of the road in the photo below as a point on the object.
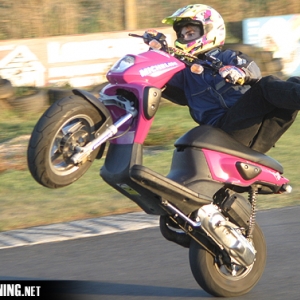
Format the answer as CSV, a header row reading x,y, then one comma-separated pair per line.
x,y
143,265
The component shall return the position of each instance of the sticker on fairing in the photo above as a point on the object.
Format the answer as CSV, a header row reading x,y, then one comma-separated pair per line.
x,y
128,189
156,70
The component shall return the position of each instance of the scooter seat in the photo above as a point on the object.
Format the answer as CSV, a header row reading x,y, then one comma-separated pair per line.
x,y
208,137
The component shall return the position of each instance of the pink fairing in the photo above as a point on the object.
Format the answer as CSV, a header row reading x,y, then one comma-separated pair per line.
x,y
151,69
140,126
222,168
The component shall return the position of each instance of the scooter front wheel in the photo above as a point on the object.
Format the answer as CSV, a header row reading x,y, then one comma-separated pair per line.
x,y
221,280
68,123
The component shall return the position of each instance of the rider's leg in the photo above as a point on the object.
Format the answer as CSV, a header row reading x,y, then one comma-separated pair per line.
x,y
282,94
275,124
244,119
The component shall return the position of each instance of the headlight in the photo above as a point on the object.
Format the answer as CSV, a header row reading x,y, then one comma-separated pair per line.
x,y
123,64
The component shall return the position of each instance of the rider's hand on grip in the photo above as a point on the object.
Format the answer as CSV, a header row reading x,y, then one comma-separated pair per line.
x,y
149,35
233,74
152,34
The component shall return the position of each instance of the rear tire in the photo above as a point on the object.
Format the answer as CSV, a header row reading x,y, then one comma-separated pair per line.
x,y
217,279
69,122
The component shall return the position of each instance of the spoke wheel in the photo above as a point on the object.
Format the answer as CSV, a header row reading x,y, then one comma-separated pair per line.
x,y
69,123
76,132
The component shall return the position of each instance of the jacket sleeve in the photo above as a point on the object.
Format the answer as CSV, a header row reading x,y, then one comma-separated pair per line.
x,y
244,62
174,90
175,95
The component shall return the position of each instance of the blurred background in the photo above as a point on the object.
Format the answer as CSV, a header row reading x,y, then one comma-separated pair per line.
x,y
43,18
48,47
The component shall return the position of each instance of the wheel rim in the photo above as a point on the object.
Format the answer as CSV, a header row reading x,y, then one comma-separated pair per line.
x,y
77,131
233,271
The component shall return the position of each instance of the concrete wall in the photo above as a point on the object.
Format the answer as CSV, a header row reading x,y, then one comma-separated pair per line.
x,y
78,60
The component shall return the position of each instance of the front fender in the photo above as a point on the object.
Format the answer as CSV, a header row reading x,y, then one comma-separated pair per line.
x,y
93,100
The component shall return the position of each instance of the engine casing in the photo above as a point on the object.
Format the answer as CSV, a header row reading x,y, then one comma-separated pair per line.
x,y
226,235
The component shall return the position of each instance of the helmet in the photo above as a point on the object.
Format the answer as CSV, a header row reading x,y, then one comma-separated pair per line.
x,y
211,25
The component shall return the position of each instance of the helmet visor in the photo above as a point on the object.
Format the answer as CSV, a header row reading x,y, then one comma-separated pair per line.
x,y
189,33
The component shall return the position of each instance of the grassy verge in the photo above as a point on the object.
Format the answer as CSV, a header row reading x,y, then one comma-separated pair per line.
x,y
25,203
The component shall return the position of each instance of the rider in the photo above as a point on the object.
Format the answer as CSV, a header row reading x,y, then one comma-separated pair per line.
x,y
255,111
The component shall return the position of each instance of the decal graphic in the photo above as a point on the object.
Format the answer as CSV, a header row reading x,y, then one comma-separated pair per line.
x,y
157,69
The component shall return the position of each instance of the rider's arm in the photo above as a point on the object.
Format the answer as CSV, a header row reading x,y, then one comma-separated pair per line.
x,y
244,62
175,95
174,91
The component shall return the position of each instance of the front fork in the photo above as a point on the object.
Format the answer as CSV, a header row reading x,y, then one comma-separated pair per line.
x,y
82,153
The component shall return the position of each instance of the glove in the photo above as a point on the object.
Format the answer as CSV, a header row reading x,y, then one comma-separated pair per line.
x,y
233,74
152,34
149,35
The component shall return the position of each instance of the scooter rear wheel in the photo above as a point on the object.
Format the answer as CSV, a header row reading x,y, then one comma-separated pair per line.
x,y
69,122
227,281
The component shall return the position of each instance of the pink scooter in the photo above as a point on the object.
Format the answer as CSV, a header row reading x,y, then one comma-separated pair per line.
x,y
200,202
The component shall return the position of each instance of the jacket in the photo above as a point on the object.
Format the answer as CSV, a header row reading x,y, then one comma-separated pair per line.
x,y
208,95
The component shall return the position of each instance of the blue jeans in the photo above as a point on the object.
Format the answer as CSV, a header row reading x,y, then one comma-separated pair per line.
x,y
261,116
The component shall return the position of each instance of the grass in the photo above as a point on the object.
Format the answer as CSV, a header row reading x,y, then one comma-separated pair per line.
x,y
14,124
24,203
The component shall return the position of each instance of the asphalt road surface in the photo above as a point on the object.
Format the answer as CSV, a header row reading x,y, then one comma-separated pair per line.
x,y
143,265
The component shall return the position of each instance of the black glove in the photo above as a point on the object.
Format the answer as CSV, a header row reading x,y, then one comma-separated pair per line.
x,y
152,34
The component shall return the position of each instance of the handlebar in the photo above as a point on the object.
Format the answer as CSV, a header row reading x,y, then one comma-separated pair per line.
x,y
157,41
135,35
188,59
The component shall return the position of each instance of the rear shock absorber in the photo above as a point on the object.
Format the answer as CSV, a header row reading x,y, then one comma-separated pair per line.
x,y
252,221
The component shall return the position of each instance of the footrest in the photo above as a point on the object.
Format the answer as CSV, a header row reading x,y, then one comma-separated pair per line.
x,y
184,198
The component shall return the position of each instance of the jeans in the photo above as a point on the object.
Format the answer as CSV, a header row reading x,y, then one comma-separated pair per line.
x,y
261,116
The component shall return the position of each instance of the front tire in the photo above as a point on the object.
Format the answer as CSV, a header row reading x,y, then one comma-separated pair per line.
x,y
69,122
225,281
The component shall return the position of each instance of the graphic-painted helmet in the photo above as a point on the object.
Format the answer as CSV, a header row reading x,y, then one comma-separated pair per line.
x,y
212,28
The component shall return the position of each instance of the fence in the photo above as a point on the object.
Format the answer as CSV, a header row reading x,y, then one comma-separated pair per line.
x,y
42,18
41,46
